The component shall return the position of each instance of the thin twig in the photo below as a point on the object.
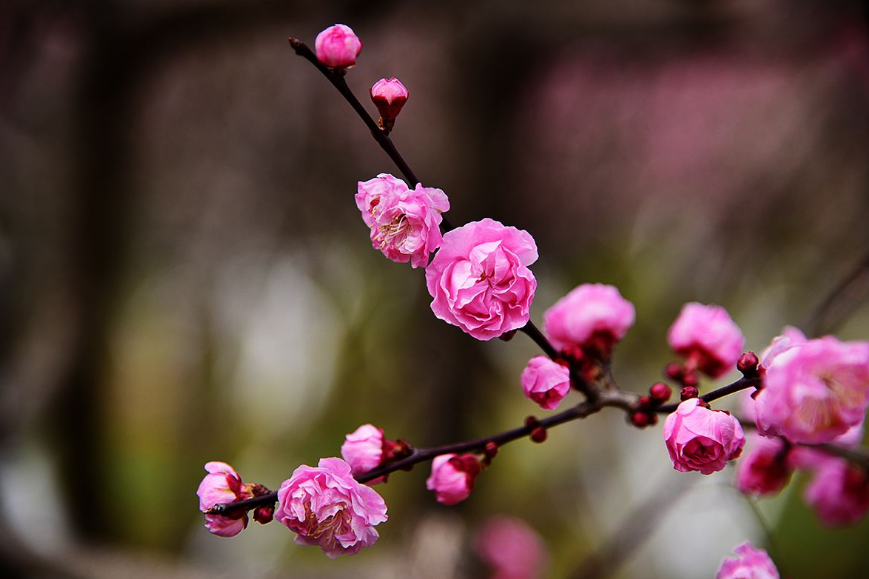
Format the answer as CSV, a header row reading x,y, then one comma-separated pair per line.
x,y
740,384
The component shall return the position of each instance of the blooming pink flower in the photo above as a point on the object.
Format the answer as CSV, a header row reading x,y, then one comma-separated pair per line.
x,y
815,391
223,485
337,46
452,477
808,458
404,223
750,563
512,548
839,493
545,382
766,468
589,309
701,439
325,506
708,337
480,279
389,96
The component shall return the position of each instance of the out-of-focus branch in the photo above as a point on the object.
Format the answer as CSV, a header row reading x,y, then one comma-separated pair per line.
x,y
842,300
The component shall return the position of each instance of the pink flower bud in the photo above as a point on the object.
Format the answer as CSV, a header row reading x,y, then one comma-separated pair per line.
x,y
700,439
512,548
765,469
589,310
747,364
479,280
404,223
750,563
452,477
389,96
839,493
222,485
337,47
707,337
326,507
660,392
545,382
363,449
814,391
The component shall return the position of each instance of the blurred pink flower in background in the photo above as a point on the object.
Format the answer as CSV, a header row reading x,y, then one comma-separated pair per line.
x,y
325,506
588,309
545,382
708,337
815,391
337,46
765,468
222,485
452,477
838,492
404,223
480,279
749,563
700,439
512,549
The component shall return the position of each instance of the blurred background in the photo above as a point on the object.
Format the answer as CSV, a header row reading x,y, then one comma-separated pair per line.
x,y
184,275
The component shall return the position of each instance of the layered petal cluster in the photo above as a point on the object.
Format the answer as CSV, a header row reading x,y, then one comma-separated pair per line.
x,y
325,506
588,309
749,563
700,439
545,382
814,391
512,549
337,46
404,223
222,485
765,468
707,335
480,281
452,477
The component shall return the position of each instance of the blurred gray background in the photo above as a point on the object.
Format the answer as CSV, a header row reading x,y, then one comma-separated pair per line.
x,y
184,275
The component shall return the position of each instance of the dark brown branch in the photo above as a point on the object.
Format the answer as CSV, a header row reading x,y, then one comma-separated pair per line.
x,y
840,302
740,384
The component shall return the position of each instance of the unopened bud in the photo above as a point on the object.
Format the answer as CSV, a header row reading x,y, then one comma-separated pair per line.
x,y
538,434
747,364
690,379
337,47
674,371
389,95
641,419
264,515
689,392
645,402
660,392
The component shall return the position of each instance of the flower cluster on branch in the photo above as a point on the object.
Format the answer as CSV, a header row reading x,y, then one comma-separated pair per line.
x,y
808,396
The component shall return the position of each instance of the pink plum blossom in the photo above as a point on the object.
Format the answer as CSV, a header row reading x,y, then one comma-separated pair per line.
x,y
325,506
512,549
220,486
545,382
839,493
452,477
404,223
480,279
765,468
700,439
588,310
389,96
814,391
749,563
790,336
337,46
363,449
708,337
